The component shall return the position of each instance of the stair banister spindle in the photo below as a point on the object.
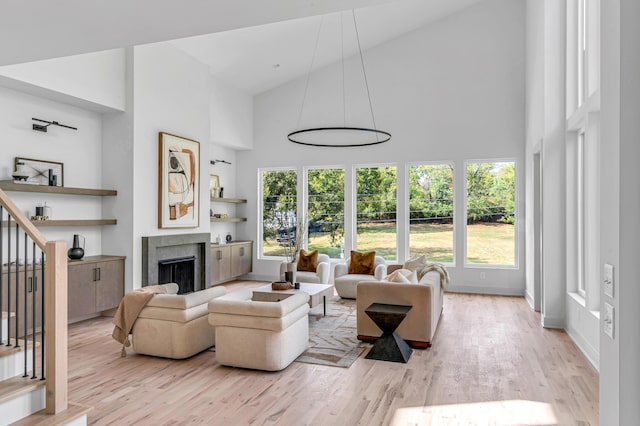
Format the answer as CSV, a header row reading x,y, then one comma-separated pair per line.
x,y
17,278
1,271
26,305
8,279
33,311
43,327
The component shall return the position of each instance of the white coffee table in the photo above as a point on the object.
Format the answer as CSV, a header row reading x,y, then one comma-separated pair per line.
x,y
316,292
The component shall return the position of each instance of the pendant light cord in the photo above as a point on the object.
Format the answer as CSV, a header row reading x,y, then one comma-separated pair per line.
x,y
364,71
313,59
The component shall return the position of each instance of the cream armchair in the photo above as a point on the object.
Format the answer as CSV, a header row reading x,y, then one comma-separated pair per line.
x,y
346,283
175,325
321,276
260,335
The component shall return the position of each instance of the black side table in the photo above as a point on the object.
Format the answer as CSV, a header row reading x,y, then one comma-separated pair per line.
x,y
389,346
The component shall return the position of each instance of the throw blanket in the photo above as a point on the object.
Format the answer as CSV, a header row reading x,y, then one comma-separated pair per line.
x,y
128,311
440,268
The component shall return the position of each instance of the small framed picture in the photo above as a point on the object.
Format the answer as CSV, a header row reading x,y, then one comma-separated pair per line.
x,y
40,172
214,186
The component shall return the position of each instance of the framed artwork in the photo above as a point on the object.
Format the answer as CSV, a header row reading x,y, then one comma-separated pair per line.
x,y
40,172
214,186
178,182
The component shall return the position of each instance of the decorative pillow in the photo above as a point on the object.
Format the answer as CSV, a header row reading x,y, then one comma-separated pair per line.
x,y
416,263
362,263
307,261
402,276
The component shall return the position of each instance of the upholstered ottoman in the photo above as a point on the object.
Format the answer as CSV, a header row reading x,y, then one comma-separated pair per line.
x,y
259,335
175,325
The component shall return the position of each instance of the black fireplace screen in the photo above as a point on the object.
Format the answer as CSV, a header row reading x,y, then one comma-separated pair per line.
x,y
180,270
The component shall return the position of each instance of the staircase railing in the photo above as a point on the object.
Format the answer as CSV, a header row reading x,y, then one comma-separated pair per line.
x,y
19,290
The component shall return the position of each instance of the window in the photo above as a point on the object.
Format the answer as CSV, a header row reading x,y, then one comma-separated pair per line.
x,y
582,51
376,210
431,212
279,207
325,211
491,236
580,209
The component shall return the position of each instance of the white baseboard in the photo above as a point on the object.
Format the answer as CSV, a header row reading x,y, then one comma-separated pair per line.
x,y
498,291
529,300
552,322
589,351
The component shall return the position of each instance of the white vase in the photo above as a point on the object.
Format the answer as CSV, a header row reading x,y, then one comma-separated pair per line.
x,y
291,272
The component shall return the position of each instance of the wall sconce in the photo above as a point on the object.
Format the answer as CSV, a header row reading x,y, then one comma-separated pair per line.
x,y
43,128
213,162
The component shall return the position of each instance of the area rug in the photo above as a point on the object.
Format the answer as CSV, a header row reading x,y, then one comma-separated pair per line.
x,y
332,338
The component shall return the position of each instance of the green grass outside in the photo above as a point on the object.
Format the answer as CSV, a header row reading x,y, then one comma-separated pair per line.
x,y
487,243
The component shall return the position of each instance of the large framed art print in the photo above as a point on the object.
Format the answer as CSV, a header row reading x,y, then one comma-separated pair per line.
x,y
178,182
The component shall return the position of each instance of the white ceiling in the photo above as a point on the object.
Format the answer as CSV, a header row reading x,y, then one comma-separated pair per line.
x,y
258,58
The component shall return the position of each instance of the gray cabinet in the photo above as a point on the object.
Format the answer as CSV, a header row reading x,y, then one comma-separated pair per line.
x,y
230,260
96,283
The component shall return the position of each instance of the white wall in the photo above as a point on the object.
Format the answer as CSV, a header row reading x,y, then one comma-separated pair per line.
x,y
93,80
454,101
231,116
620,235
79,151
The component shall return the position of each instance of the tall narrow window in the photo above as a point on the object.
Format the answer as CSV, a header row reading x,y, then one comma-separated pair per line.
x,y
582,51
491,195
325,210
279,197
431,212
376,210
580,209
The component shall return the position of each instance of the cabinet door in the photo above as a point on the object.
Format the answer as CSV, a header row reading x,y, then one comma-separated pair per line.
x,y
241,258
82,290
220,263
19,291
109,284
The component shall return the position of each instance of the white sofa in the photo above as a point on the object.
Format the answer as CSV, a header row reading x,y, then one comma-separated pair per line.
x,y
419,326
175,325
321,276
346,283
259,335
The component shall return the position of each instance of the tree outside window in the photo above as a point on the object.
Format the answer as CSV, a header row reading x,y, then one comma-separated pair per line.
x,y
325,211
279,207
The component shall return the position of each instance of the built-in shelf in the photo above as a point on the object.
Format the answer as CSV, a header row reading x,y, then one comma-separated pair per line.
x,y
9,185
74,222
228,219
228,200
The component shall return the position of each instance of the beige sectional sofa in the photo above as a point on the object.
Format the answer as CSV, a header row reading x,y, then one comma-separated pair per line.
x,y
259,335
426,298
175,325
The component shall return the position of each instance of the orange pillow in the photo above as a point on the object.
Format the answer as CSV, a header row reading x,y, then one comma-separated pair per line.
x,y
307,261
362,263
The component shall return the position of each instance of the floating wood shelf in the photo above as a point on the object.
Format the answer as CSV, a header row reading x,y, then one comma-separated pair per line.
x,y
74,222
228,200
228,219
9,185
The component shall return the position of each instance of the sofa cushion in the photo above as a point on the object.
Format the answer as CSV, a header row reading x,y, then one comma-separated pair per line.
x,y
186,301
307,261
362,262
416,263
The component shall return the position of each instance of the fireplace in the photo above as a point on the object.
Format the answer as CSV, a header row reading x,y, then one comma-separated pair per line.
x,y
169,248
180,270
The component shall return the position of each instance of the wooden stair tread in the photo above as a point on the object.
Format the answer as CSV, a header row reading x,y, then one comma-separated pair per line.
x,y
72,412
16,386
6,314
10,350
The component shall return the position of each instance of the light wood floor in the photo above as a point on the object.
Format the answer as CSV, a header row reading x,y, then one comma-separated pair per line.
x,y
491,364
